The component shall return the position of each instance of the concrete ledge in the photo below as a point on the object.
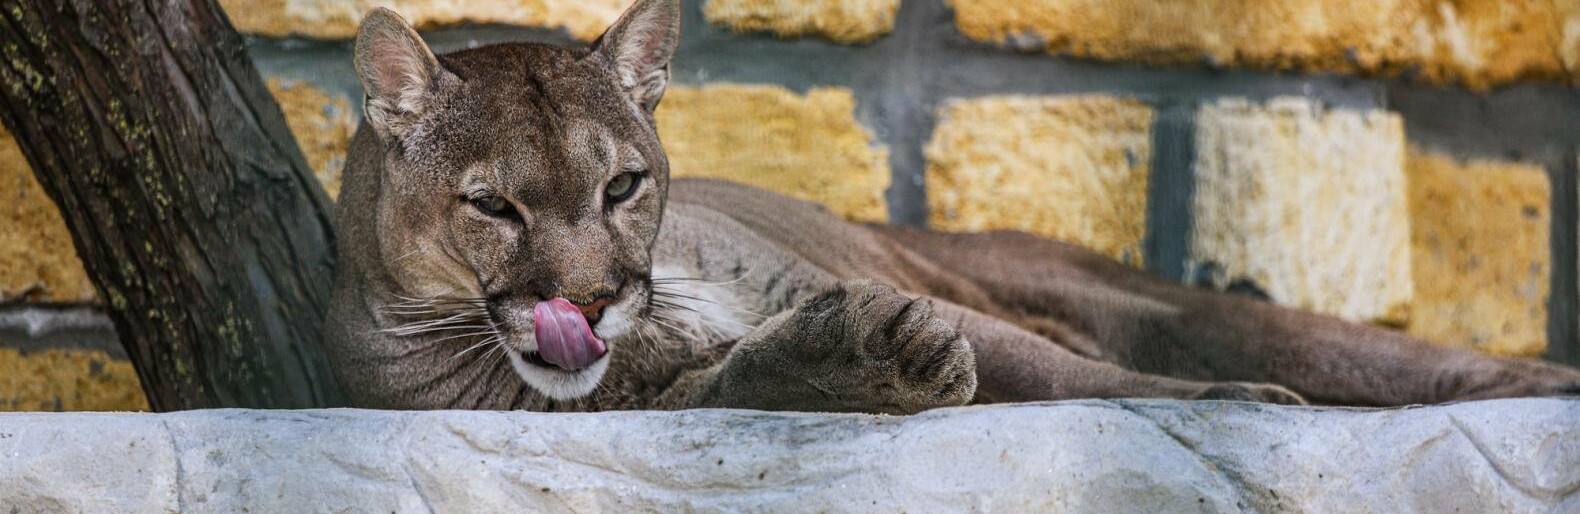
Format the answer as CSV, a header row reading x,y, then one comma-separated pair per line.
x,y
1129,456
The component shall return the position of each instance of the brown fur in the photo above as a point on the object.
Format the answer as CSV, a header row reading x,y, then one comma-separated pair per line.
x,y
722,295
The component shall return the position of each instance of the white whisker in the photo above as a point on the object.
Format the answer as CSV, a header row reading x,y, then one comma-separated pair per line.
x,y
703,282
495,340
487,331
660,293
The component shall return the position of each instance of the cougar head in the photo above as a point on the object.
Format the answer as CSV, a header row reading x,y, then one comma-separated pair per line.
x,y
525,181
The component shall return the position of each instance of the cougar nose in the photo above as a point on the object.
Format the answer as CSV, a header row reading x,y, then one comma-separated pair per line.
x,y
593,311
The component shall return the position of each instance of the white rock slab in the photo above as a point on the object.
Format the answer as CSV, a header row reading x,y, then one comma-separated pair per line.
x,y
1087,456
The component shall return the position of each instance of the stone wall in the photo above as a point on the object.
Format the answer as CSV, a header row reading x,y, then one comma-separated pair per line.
x,y
37,260
808,146
1480,252
1408,163
1479,43
1307,206
337,19
1071,168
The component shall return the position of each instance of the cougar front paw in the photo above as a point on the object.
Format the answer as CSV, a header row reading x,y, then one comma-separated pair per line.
x,y
887,352
1251,392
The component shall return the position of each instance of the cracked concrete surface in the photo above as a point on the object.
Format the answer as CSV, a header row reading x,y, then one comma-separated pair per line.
x,y
1085,456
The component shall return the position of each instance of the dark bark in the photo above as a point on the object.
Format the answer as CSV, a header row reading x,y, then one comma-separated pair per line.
x,y
192,207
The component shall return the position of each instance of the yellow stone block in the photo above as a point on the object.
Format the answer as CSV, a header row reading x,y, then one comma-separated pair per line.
x,y
806,146
844,21
1479,237
68,380
322,124
38,262
1068,168
1307,204
337,19
1476,42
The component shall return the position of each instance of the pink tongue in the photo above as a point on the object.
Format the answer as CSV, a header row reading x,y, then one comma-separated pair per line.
x,y
564,339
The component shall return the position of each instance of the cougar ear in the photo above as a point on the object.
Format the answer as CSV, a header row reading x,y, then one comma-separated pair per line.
x,y
641,45
397,70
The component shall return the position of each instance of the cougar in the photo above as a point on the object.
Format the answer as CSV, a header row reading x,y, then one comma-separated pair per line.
x,y
510,238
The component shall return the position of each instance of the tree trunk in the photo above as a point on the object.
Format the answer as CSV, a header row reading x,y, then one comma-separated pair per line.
x,y
192,207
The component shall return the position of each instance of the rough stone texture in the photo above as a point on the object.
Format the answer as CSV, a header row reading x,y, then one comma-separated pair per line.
x,y
1476,42
67,380
1480,254
322,124
807,146
1304,204
1069,168
1092,456
37,260
844,21
337,19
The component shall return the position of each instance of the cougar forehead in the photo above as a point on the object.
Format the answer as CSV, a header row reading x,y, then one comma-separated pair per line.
x,y
531,107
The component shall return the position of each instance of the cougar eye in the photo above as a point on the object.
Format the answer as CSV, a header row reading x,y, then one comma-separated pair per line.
x,y
622,187
494,206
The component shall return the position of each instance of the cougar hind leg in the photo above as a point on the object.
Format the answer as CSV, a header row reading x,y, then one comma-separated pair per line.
x,y
1146,324
1015,365
1333,361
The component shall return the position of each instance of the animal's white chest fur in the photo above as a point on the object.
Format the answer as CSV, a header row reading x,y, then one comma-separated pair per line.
x,y
695,308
